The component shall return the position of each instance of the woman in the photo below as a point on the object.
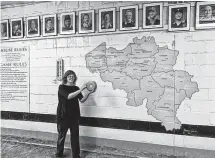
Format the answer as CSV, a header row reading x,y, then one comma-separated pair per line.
x,y
68,113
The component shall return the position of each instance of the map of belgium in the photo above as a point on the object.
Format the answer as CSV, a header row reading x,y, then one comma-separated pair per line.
x,y
145,71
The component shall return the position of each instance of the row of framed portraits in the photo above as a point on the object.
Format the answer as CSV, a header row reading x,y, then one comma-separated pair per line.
x,y
179,19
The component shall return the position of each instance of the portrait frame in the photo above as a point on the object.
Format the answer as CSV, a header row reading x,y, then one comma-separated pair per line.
x,y
204,22
7,29
30,32
53,30
19,32
186,16
90,27
65,31
102,13
146,8
133,8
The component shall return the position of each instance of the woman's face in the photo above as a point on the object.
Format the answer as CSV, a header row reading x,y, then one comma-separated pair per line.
x,y
70,78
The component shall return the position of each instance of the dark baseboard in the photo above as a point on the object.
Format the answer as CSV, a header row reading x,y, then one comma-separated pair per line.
x,y
186,129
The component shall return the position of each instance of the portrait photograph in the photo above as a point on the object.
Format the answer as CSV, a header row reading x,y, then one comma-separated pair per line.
x,y
4,29
49,25
152,15
129,18
33,26
107,20
205,15
67,23
86,21
179,17
16,28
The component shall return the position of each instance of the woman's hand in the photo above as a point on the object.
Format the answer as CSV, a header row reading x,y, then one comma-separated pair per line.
x,y
83,87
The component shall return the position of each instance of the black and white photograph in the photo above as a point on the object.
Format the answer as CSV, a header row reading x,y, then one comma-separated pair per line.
x,y
107,20
49,25
205,15
67,23
86,21
129,18
33,26
152,15
107,79
16,29
4,29
179,17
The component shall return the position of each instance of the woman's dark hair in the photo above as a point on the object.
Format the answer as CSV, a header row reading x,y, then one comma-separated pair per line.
x,y
67,73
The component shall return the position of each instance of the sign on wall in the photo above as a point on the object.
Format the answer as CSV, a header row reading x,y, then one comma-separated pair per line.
x,y
14,76
60,69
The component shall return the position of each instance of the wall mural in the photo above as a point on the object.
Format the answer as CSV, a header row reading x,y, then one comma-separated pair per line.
x,y
145,71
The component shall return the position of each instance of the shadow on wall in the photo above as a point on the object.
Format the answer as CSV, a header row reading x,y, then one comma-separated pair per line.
x,y
90,101
90,141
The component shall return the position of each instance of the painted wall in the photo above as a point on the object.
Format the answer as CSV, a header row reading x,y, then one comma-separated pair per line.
x,y
196,56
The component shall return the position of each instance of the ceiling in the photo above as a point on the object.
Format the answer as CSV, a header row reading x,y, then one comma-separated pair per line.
x,y
4,3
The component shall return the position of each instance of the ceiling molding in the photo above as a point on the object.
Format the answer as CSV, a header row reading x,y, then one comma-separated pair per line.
x,y
11,4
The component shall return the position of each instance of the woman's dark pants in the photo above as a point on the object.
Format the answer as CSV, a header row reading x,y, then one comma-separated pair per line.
x,y
62,128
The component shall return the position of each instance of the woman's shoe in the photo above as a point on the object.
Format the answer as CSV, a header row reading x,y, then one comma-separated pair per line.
x,y
59,155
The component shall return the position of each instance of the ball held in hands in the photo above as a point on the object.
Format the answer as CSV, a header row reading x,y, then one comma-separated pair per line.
x,y
91,86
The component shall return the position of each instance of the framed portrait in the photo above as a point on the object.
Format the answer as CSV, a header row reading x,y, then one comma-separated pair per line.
x,y
205,15
86,21
49,25
107,20
179,17
129,18
4,29
153,15
67,23
16,28
33,26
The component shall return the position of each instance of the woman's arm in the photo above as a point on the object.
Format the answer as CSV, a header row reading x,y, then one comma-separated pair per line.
x,y
84,98
67,95
74,94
